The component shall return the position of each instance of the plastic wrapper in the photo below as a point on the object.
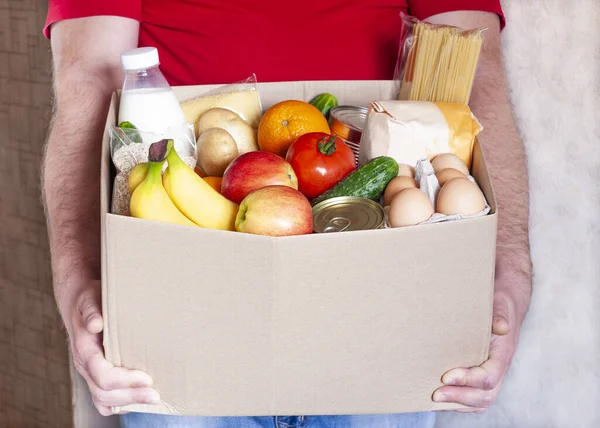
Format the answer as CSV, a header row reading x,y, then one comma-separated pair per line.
x,y
412,130
242,98
436,62
129,147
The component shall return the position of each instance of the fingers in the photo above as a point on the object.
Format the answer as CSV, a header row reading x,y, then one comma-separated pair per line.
x,y
112,386
471,397
501,316
486,376
104,410
109,377
89,307
124,397
109,410
478,387
109,386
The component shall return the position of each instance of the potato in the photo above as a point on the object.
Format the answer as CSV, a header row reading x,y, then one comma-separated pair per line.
x,y
216,149
243,134
214,116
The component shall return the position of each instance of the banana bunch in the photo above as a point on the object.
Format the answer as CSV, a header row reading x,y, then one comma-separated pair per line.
x,y
179,195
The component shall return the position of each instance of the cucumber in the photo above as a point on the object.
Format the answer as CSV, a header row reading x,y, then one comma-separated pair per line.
x,y
324,102
368,181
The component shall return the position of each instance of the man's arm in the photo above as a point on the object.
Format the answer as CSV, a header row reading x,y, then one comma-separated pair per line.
x,y
478,387
87,70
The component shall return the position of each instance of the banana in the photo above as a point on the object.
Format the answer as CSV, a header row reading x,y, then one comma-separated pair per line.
x,y
137,175
195,198
150,201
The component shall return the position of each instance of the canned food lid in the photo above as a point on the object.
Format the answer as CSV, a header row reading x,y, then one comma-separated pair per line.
x,y
346,213
352,116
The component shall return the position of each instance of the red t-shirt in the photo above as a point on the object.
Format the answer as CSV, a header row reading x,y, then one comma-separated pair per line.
x,y
217,41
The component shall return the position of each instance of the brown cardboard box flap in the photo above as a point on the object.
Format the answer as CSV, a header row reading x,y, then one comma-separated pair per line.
x,y
230,324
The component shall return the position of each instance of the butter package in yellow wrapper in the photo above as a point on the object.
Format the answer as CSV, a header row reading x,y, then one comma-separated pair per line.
x,y
409,131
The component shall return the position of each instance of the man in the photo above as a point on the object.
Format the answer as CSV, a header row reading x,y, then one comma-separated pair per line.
x,y
210,41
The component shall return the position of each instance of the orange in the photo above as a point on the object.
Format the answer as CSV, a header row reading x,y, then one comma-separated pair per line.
x,y
284,122
215,182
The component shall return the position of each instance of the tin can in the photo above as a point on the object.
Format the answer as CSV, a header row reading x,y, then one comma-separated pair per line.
x,y
348,123
347,213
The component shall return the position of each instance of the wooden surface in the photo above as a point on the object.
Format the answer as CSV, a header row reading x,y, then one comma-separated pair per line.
x,y
35,388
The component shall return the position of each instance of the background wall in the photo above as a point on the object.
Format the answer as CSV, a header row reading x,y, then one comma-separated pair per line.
x,y
34,372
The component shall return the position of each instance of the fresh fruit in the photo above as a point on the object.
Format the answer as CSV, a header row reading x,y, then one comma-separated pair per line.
x,y
320,161
275,211
409,207
285,121
395,186
150,200
137,175
193,196
255,170
215,182
241,132
216,149
369,181
324,102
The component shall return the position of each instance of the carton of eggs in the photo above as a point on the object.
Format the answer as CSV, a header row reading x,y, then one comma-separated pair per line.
x,y
441,190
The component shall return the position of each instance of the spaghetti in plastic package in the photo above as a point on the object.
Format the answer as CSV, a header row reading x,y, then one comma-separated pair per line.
x,y
409,131
243,98
429,184
436,62
129,147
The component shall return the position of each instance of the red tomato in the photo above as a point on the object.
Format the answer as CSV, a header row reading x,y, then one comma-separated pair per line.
x,y
320,161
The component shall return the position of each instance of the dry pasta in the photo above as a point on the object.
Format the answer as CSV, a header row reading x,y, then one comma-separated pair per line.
x,y
437,62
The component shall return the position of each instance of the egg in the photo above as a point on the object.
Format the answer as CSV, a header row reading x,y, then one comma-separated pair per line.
x,y
460,196
448,174
405,170
409,207
395,185
448,160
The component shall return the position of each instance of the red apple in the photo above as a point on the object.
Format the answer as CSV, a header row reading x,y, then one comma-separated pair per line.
x,y
255,170
275,211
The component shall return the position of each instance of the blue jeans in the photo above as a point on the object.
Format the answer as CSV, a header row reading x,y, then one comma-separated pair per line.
x,y
405,420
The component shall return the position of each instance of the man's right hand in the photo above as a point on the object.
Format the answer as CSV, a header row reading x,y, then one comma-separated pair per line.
x,y
110,386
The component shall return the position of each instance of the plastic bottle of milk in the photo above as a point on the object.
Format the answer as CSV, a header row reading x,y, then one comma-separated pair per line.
x,y
147,100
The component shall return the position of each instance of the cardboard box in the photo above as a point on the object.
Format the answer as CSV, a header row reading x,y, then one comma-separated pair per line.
x,y
232,324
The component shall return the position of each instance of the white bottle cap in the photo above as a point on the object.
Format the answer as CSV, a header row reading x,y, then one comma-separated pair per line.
x,y
139,58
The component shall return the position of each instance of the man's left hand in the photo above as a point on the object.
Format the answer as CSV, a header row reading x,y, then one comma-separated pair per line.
x,y
478,387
